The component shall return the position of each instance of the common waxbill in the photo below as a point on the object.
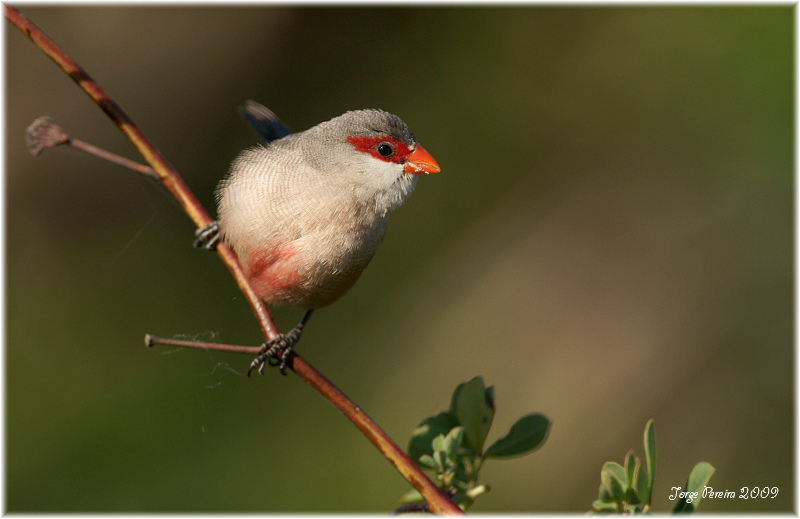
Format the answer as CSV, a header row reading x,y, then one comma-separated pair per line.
x,y
306,211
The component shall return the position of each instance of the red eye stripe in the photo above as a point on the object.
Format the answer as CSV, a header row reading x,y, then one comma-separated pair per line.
x,y
370,145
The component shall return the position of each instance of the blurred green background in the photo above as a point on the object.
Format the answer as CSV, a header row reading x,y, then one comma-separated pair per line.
x,y
610,240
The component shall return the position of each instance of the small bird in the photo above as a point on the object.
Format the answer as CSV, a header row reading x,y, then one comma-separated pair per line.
x,y
306,211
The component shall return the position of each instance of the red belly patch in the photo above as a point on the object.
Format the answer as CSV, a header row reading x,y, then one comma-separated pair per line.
x,y
272,273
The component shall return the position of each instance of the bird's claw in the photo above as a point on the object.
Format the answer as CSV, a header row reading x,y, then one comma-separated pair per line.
x,y
207,236
283,342
268,353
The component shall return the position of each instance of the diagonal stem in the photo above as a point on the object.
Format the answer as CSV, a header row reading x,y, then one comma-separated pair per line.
x,y
438,502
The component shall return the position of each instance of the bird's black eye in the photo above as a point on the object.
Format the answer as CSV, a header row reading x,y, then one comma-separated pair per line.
x,y
385,150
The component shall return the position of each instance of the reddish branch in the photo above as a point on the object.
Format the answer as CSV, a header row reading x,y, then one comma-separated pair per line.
x,y
437,500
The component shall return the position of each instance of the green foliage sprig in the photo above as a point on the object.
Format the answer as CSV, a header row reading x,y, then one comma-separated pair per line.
x,y
628,489
451,443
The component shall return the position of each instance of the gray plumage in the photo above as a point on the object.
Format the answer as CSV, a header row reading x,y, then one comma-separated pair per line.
x,y
306,212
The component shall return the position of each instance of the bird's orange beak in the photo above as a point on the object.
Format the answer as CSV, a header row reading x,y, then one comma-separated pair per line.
x,y
421,162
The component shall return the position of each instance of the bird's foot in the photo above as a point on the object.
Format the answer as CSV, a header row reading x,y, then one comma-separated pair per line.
x,y
268,353
207,236
284,343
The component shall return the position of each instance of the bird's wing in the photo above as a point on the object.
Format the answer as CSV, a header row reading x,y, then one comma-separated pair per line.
x,y
265,123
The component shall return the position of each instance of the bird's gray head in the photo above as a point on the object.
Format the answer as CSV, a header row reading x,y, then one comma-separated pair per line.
x,y
373,152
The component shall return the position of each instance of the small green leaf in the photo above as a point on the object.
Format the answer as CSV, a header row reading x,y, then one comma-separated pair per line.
x,y
603,493
464,500
427,461
454,399
701,474
438,457
613,475
438,443
452,442
630,466
697,480
474,411
630,509
604,506
640,487
490,396
430,428
527,433
457,433
412,496
650,456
